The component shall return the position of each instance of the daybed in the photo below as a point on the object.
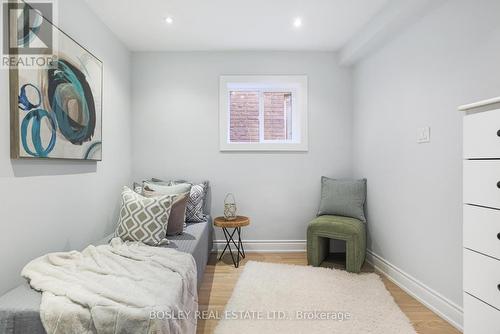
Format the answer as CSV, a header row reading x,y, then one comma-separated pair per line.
x,y
20,307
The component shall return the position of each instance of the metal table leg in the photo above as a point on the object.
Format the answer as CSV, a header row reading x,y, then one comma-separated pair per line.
x,y
239,245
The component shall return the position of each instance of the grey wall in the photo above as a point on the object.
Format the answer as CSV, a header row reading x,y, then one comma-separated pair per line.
x,y
176,133
61,205
450,57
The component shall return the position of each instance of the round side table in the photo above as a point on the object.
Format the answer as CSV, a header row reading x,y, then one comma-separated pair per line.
x,y
236,225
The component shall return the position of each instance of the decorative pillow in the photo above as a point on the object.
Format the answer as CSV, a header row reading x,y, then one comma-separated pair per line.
x,y
170,189
177,216
343,198
137,187
143,219
177,219
197,199
196,203
165,183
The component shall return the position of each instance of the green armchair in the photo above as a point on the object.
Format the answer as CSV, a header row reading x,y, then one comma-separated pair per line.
x,y
341,216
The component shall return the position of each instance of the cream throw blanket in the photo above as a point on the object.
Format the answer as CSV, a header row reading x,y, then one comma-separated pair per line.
x,y
114,288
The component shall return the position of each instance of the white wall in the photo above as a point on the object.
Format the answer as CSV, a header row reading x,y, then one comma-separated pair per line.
x,y
449,57
175,135
61,205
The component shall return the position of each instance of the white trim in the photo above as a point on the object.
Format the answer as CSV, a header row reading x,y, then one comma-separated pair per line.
x,y
267,246
297,84
484,103
436,302
261,117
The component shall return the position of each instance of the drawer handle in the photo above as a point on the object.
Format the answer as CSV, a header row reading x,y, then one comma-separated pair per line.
x,y
498,133
498,184
498,236
498,287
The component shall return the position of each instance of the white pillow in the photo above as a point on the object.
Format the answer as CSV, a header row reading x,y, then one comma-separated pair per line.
x,y
167,189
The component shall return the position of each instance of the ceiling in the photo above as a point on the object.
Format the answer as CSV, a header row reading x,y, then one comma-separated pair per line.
x,y
235,24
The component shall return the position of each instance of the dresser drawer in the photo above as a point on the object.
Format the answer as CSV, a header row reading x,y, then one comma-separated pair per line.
x,y
480,318
482,277
482,230
481,136
482,182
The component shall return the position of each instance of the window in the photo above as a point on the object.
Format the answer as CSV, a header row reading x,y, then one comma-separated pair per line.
x,y
266,113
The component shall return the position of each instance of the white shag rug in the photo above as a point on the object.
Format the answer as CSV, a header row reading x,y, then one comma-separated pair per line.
x,y
279,298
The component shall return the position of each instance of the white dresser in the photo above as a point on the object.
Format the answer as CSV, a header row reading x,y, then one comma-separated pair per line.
x,y
481,229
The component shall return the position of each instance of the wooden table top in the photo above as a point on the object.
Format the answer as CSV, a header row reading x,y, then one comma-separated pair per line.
x,y
240,221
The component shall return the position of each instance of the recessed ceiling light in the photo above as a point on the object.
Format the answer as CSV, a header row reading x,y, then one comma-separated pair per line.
x,y
297,22
169,20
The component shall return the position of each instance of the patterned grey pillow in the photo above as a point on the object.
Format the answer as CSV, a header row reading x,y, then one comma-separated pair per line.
x,y
143,219
177,219
196,201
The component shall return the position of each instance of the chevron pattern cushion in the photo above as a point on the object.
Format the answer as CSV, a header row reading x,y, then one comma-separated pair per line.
x,y
143,219
196,202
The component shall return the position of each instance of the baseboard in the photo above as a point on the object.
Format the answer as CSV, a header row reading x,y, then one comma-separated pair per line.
x,y
439,304
267,246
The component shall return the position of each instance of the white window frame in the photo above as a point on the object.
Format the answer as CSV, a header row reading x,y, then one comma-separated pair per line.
x,y
295,84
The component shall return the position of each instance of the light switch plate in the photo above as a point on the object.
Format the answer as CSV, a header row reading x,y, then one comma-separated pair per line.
x,y
424,135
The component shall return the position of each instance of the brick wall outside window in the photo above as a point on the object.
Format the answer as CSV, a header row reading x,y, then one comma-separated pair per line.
x,y
276,115
244,117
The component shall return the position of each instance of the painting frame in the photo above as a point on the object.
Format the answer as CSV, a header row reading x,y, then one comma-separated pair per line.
x,y
16,146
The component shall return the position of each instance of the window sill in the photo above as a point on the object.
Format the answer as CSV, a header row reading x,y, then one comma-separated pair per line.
x,y
292,147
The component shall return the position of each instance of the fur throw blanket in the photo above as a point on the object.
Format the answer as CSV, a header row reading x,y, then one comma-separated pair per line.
x,y
122,287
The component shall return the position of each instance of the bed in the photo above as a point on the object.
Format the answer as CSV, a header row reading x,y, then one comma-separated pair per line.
x,y
20,307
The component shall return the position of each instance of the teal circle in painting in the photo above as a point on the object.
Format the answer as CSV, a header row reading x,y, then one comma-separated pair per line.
x,y
35,118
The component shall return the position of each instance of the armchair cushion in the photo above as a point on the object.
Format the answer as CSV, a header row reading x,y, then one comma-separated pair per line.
x,y
343,198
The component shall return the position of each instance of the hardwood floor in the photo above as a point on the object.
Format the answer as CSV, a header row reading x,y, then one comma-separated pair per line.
x,y
220,278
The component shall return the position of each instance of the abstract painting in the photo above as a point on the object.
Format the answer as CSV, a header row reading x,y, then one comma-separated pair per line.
x,y
56,111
